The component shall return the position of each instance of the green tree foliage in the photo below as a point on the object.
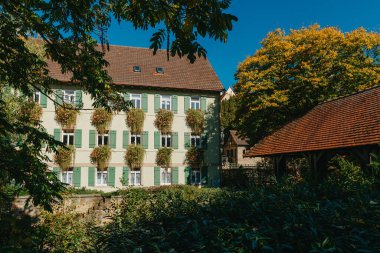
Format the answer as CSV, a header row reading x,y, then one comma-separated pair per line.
x,y
292,73
228,114
66,30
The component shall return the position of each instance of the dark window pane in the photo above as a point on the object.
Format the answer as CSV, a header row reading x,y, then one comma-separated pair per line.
x,y
169,144
105,140
100,140
65,139
138,140
71,140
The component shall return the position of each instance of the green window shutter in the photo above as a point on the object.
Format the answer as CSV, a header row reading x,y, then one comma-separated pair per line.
x,y
145,139
92,139
113,138
187,175
57,172
125,176
126,97
125,139
43,100
91,176
175,104
175,175
187,103
157,173
58,96
77,176
204,140
57,134
111,176
204,175
144,102
78,138
157,142
78,99
157,99
175,140
187,140
203,104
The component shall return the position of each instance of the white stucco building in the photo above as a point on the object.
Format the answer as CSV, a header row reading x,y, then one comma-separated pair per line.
x,y
151,82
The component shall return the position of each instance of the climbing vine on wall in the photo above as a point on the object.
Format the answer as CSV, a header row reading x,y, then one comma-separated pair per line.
x,y
66,116
164,121
134,156
101,119
100,156
195,119
64,157
135,120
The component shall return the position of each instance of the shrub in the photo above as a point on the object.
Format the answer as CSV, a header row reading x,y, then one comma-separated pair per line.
x,y
101,119
64,156
194,157
135,120
134,156
101,156
164,121
164,157
64,232
195,119
31,112
66,116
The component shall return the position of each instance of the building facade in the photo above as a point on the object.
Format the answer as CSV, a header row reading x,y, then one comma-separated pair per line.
x,y
150,83
234,150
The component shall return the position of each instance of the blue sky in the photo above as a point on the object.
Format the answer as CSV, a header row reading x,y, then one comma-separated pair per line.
x,y
257,18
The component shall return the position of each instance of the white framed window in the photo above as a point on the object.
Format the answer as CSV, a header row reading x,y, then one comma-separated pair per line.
x,y
103,139
136,100
166,140
37,97
195,140
68,137
195,102
69,96
101,178
135,139
166,102
67,177
195,176
166,176
135,177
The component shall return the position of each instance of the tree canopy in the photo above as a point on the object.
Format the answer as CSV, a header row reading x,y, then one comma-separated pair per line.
x,y
292,73
67,31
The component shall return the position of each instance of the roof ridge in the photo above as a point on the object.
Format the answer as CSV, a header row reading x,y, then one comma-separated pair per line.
x,y
348,95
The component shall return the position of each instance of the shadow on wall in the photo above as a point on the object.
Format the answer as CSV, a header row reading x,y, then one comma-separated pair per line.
x,y
212,153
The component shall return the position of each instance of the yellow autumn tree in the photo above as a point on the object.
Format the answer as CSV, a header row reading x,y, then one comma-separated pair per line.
x,y
292,73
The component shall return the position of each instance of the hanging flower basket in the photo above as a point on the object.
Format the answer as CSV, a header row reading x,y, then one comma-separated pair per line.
x,y
135,120
66,116
101,119
100,156
195,119
64,157
164,157
30,112
134,156
164,121
194,157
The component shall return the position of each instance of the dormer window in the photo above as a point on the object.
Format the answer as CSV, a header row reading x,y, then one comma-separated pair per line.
x,y
160,70
136,69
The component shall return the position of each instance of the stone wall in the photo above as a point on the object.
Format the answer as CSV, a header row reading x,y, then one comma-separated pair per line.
x,y
94,206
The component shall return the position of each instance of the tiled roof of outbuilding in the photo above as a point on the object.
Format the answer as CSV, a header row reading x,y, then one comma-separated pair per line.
x,y
179,73
238,140
349,121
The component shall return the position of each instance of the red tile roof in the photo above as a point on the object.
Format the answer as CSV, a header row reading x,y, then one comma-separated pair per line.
x,y
349,121
238,140
179,73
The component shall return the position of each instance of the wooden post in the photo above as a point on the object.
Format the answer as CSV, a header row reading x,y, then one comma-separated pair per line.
x,y
279,166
